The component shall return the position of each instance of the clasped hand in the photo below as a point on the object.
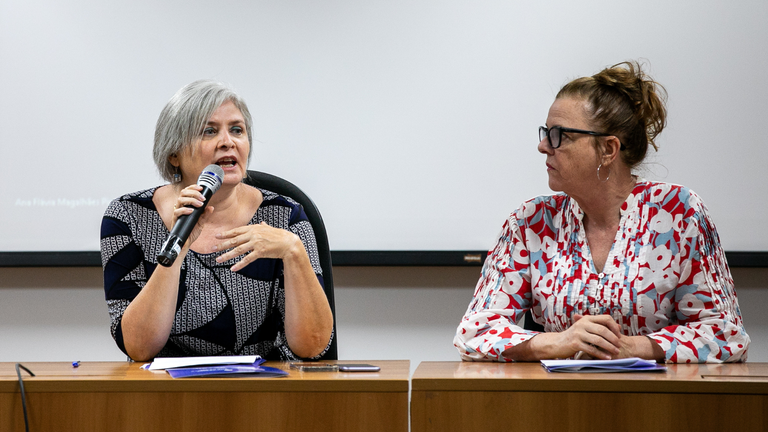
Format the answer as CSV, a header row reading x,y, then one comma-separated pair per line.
x,y
596,336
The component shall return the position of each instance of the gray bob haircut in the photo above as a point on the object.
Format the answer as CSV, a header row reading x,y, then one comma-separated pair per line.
x,y
183,119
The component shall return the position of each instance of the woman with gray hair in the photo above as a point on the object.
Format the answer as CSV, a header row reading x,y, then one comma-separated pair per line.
x,y
247,281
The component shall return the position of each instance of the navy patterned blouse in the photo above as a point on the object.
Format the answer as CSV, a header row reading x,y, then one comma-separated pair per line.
x,y
218,312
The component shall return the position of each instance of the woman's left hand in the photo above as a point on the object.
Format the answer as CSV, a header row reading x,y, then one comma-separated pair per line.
x,y
256,241
639,346
634,346
308,316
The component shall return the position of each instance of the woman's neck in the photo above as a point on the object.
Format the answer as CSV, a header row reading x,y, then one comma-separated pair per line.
x,y
225,200
603,207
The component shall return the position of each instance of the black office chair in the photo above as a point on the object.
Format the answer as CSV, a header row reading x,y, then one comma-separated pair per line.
x,y
286,188
530,324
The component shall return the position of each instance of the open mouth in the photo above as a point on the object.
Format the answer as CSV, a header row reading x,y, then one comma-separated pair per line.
x,y
226,162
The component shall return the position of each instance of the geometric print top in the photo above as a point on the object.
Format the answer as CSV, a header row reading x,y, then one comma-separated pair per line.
x,y
218,312
665,277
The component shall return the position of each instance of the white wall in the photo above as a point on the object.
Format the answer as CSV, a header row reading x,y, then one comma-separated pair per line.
x,y
58,314
429,105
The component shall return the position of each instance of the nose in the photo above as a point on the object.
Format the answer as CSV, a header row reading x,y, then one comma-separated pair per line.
x,y
544,147
226,140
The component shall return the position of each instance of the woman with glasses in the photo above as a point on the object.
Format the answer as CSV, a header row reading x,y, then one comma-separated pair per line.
x,y
612,265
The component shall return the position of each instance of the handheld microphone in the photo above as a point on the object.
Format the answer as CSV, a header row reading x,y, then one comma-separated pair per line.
x,y
210,179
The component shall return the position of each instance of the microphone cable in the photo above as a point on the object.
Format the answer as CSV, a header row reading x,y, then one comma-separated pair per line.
x,y
23,394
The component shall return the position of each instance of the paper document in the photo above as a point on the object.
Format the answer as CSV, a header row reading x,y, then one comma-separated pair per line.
x,y
633,364
161,363
219,371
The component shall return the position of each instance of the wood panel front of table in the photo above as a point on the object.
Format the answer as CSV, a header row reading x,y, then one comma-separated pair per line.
x,y
476,396
121,397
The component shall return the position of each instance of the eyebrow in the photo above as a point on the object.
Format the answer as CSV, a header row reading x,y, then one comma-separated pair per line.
x,y
236,122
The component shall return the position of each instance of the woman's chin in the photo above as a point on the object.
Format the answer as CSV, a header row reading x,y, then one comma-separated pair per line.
x,y
555,185
233,177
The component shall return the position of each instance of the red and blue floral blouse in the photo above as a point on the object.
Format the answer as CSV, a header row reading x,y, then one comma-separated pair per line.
x,y
666,277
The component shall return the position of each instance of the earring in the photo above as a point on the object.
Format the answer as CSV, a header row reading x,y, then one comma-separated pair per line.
x,y
598,174
177,176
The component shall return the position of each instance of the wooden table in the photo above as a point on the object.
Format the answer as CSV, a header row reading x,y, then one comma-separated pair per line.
x,y
119,396
475,396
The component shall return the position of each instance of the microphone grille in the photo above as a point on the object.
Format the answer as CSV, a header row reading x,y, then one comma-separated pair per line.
x,y
212,177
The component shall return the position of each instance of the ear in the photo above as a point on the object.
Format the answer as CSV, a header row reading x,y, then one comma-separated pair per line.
x,y
610,147
174,160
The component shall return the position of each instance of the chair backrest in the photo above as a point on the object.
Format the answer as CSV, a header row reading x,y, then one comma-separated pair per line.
x,y
286,188
530,324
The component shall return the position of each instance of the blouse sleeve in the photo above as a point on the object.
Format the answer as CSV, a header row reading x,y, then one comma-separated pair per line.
x,y
301,226
122,262
502,296
709,325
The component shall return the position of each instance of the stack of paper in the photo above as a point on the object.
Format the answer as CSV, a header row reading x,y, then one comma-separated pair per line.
x,y
632,364
216,366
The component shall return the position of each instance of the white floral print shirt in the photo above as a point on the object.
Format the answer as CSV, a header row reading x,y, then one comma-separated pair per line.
x,y
666,277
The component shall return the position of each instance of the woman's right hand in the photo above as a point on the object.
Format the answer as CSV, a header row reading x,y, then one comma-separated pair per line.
x,y
597,336
191,196
148,320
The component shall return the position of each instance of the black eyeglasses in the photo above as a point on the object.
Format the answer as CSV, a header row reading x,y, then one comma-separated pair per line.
x,y
555,133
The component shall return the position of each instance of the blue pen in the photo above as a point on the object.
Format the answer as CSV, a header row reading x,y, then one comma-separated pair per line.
x,y
76,363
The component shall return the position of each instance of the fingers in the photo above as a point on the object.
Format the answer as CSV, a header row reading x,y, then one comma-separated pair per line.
x,y
601,320
251,240
597,336
594,352
244,262
257,241
609,323
238,245
232,233
598,346
189,198
231,239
